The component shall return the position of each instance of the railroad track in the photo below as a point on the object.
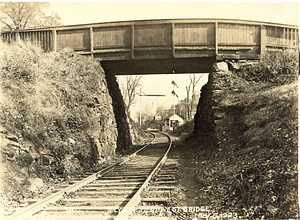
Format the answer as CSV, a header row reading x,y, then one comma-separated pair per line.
x,y
130,188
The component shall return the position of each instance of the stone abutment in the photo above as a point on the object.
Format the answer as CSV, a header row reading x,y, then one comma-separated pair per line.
x,y
124,140
213,120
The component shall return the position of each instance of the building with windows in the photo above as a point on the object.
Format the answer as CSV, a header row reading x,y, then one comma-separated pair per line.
x,y
173,121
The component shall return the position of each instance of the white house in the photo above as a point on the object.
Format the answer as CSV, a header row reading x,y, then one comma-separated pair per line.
x,y
174,121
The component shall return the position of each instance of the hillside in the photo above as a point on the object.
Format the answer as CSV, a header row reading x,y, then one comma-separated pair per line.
x,y
56,119
245,160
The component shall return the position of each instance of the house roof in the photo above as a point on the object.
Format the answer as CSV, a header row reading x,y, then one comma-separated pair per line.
x,y
175,114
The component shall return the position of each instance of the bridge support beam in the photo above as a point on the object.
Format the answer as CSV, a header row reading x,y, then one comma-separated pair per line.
x,y
124,140
158,66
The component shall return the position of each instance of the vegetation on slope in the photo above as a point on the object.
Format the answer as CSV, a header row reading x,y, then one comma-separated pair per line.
x,y
184,130
276,68
56,109
258,176
253,171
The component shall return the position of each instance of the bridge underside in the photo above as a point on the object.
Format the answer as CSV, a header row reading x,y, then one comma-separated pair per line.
x,y
158,66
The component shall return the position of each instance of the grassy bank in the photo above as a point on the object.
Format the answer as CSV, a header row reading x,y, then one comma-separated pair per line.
x,y
253,171
56,118
258,177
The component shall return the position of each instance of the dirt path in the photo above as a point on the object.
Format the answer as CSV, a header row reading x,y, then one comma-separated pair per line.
x,y
189,196
186,177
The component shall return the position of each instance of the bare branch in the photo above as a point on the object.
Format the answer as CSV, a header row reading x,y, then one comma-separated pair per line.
x,y
129,92
189,104
20,15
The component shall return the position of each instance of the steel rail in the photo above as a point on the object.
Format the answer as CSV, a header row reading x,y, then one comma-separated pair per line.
x,y
38,206
129,208
134,154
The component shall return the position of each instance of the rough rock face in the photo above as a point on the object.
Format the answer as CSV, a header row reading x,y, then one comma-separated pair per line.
x,y
203,117
56,118
17,153
219,115
106,138
124,140
209,112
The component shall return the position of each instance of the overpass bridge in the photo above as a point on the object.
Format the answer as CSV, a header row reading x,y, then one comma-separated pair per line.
x,y
164,46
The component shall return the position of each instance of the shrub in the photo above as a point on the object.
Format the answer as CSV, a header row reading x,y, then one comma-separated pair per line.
x,y
275,67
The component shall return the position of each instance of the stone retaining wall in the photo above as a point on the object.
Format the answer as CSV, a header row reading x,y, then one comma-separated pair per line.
x,y
213,121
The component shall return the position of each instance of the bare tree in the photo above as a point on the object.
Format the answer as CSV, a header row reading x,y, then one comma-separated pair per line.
x,y
164,112
129,91
191,88
22,15
187,101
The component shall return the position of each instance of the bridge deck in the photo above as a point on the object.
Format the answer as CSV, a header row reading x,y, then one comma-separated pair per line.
x,y
166,39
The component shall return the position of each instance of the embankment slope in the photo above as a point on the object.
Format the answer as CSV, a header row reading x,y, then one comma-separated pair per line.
x,y
245,142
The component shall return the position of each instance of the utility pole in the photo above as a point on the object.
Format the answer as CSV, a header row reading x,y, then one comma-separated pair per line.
x,y
174,94
143,94
140,106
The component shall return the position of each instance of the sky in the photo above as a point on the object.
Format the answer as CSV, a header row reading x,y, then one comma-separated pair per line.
x,y
94,12
97,12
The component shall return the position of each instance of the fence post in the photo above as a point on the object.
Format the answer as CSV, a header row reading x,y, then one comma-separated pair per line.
x,y
263,36
54,42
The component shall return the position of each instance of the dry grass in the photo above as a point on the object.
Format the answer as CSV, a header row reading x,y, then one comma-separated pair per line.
x,y
276,67
184,130
254,172
56,105
254,169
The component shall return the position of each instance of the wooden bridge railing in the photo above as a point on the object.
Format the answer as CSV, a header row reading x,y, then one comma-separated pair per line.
x,y
159,39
